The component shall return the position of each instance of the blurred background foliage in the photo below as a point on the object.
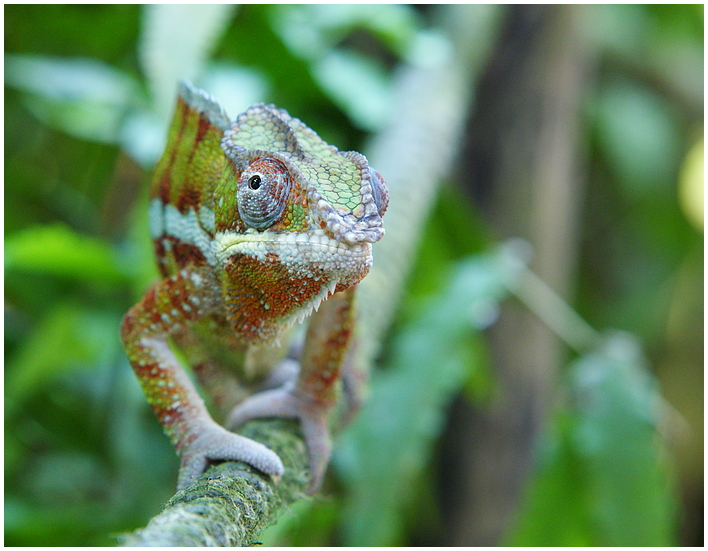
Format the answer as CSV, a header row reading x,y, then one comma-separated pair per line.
x,y
601,445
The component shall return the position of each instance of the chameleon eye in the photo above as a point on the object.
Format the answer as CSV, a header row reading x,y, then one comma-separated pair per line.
x,y
254,182
262,193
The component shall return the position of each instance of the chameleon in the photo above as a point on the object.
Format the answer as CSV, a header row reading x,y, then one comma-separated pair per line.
x,y
257,224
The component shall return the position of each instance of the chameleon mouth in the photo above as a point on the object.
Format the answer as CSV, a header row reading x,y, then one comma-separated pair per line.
x,y
311,266
291,248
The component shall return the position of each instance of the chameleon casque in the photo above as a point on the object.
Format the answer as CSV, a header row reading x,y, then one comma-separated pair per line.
x,y
255,222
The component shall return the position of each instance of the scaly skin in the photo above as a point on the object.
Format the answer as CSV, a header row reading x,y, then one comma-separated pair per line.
x,y
255,222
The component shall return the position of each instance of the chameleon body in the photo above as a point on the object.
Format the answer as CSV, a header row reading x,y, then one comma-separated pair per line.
x,y
255,222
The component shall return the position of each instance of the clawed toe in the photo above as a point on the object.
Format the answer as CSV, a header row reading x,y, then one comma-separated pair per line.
x,y
215,443
313,423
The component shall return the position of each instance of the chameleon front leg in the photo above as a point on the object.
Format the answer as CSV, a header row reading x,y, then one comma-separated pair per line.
x,y
314,393
170,307
217,382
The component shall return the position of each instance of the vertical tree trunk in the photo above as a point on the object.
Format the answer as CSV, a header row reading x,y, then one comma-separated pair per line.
x,y
522,158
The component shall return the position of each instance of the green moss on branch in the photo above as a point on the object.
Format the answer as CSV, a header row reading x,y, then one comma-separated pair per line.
x,y
231,503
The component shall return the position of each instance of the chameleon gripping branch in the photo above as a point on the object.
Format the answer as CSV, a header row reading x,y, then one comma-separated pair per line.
x,y
255,223
426,123
231,504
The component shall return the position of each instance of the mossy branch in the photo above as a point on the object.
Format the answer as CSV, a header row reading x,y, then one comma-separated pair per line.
x,y
231,503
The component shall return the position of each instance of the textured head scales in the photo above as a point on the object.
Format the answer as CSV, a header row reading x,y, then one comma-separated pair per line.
x,y
349,196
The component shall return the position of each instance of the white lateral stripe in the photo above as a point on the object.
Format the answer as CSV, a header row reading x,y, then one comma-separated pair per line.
x,y
156,222
167,220
207,218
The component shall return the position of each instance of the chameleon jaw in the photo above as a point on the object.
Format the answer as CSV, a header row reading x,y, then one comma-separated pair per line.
x,y
300,251
297,272
299,314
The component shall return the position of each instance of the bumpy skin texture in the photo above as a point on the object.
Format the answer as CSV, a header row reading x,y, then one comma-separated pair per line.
x,y
255,222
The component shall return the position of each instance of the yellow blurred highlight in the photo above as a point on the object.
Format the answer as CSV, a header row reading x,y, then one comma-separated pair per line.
x,y
690,188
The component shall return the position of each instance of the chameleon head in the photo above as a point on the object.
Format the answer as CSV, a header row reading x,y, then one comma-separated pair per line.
x,y
295,219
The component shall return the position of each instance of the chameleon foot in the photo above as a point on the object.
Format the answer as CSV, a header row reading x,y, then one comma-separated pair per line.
x,y
283,402
214,443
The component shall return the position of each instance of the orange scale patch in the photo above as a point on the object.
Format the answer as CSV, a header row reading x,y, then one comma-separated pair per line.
x,y
189,198
260,294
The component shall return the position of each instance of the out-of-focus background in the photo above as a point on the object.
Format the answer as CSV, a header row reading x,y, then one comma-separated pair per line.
x,y
537,356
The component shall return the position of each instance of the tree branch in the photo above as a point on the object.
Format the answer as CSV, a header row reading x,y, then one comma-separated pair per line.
x,y
231,503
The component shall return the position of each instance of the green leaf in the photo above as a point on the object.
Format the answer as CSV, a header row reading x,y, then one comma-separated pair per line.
x,y
70,79
89,121
602,478
68,338
59,251
82,97
638,134
310,31
358,85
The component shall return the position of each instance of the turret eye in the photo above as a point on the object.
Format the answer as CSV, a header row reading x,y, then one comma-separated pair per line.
x,y
263,192
254,182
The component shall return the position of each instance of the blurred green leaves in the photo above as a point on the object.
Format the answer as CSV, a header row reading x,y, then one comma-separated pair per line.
x,y
66,294
637,133
602,477
81,96
84,337
359,84
92,100
313,30
57,250
95,101
389,445
72,332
